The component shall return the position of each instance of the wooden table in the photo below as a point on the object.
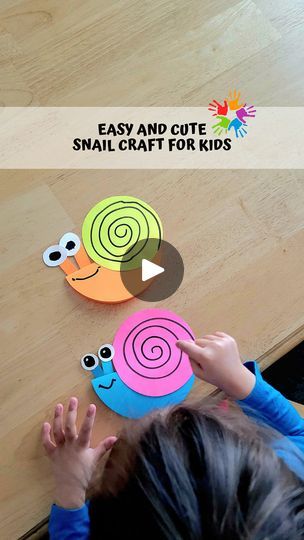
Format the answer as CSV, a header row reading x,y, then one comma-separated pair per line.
x,y
240,233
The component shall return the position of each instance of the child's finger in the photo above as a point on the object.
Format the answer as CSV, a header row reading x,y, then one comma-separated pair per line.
x,y
48,445
193,350
58,425
70,422
197,370
203,342
221,334
85,432
104,446
211,337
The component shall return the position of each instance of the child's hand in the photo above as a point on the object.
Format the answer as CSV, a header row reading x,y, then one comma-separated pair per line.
x,y
72,458
216,359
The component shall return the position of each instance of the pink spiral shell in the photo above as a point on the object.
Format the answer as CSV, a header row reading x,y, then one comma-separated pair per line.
x,y
146,357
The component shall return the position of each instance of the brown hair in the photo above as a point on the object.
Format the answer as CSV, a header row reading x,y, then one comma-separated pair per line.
x,y
196,471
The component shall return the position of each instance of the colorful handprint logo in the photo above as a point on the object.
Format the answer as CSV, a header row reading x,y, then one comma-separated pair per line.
x,y
231,115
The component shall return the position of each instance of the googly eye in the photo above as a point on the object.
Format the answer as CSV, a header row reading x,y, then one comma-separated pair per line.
x,y
106,352
71,242
54,255
89,361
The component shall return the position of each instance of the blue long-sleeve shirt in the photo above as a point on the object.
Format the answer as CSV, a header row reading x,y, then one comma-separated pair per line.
x,y
264,403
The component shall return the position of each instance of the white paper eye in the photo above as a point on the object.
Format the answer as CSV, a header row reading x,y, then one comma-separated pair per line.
x,y
71,242
89,361
106,352
54,255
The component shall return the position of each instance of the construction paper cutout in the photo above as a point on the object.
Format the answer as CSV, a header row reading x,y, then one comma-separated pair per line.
x,y
112,229
68,266
71,242
113,392
104,285
81,257
54,255
146,356
97,281
122,398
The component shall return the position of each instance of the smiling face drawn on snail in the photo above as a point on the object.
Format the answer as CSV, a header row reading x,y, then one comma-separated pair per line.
x,y
120,221
101,366
143,370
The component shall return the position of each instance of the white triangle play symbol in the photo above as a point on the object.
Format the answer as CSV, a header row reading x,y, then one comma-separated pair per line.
x,y
150,270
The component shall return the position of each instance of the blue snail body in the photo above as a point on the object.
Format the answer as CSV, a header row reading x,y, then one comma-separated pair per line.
x,y
116,395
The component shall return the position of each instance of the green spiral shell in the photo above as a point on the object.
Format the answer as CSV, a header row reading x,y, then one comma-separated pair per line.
x,y
120,231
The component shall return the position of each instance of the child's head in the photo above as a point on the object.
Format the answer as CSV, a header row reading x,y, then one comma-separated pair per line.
x,y
194,473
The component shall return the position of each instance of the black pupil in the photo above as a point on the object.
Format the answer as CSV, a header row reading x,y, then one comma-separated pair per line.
x,y
89,361
105,352
70,245
55,256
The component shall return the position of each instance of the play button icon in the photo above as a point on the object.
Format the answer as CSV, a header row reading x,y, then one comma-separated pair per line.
x,y
150,270
165,270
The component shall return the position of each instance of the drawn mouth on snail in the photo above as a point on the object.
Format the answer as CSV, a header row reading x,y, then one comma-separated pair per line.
x,y
107,387
86,277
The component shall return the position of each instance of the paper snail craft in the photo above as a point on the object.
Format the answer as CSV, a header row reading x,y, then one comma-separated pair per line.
x,y
117,234
143,369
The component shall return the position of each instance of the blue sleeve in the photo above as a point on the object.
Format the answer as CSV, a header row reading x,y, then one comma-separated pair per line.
x,y
274,408
69,524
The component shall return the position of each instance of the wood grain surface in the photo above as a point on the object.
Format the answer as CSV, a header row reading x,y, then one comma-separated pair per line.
x,y
240,233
